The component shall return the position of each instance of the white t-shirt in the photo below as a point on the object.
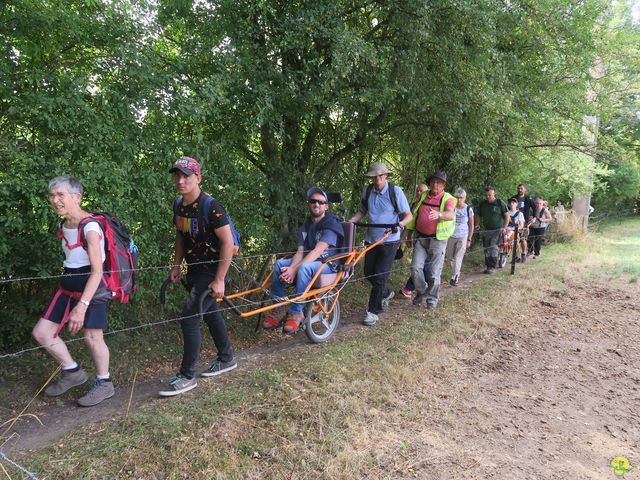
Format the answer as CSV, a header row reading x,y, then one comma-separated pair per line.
x,y
77,257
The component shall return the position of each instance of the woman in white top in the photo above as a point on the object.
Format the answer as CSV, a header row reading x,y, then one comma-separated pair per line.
x,y
76,302
461,239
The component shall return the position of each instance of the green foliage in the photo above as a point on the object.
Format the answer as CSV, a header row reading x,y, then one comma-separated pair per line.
x,y
275,96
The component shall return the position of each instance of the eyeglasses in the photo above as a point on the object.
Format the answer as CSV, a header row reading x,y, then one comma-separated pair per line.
x,y
318,202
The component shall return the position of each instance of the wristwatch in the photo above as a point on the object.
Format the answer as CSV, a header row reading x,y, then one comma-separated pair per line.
x,y
86,303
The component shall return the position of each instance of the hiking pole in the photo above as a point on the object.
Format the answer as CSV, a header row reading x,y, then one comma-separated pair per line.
x,y
515,251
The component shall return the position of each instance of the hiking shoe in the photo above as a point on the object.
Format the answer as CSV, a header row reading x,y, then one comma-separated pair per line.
x,y
406,292
387,299
292,323
454,282
370,320
66,381
418,299
431,306
177,385
101,390
218,367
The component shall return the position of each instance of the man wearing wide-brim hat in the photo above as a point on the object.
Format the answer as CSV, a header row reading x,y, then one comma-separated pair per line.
x,y
384,203
432,224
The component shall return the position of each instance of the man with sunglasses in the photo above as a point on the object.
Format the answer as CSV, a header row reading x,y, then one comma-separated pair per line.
x,y
319,237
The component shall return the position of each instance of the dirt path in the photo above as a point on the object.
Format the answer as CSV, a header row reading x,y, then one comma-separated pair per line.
x,y
554,395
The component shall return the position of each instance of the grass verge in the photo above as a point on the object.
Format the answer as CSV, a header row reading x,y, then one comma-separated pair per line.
x,y
340,410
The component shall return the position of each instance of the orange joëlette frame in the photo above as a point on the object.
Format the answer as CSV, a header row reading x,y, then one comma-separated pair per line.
x,y
351,259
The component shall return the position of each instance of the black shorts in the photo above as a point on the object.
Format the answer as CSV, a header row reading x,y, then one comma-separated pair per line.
x,y
96,316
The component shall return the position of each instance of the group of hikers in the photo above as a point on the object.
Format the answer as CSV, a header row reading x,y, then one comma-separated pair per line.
x,y
437,225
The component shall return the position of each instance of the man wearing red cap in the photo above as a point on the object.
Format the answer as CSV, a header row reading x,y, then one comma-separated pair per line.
x,y
204,240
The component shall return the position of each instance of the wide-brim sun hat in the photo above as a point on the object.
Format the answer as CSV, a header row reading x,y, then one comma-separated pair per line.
x,y
378,168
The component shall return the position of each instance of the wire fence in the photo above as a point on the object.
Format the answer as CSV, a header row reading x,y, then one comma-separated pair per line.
x,y
246,302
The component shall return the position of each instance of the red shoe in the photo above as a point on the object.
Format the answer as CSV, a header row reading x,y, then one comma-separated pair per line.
x,y
271,322
292,323
406,292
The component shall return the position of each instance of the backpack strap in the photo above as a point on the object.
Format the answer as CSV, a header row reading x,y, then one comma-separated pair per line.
x,y
392,197
364,201
64,239
177,204
204,204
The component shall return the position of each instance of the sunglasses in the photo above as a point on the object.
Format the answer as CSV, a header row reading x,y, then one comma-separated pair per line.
x,y
318,202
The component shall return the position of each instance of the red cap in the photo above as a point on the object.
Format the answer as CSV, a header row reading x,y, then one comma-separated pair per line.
x,y
186,165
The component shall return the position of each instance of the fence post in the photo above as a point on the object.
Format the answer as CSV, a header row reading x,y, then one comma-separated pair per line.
x,y
515,250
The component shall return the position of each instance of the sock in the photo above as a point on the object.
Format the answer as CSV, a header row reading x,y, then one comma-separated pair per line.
x,y
74,367
106,378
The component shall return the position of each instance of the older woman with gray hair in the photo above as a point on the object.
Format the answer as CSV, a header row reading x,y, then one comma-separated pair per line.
x,y
461,239
74,302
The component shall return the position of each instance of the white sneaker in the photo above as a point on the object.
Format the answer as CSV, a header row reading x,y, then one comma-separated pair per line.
x,y
387,299
370,320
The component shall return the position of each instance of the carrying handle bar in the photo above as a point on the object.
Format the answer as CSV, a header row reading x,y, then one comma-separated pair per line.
x,y
163,289
226,300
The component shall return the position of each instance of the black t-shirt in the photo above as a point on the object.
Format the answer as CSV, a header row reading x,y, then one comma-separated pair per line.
x,y
196,249
526,206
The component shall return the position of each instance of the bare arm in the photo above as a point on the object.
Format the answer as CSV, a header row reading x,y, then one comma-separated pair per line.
x,y
505,217
408,216
357,217
225,239
289,273
178,256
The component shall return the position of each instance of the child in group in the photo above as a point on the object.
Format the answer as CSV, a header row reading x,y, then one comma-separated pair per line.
x,y
516,221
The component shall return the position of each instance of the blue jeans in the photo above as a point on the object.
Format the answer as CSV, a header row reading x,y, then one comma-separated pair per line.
x,y
306,271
